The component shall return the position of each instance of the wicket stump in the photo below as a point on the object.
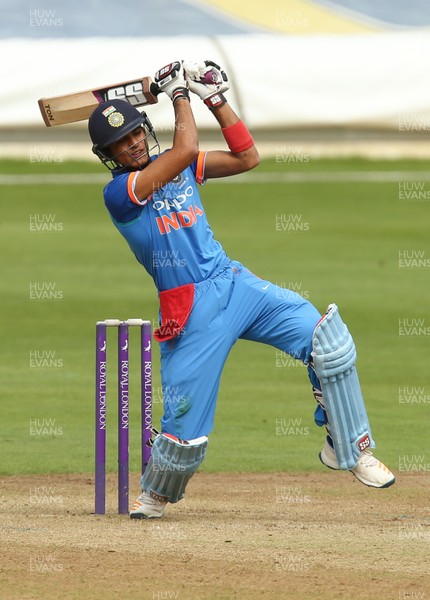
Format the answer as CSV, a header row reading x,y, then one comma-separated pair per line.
x,y
123,407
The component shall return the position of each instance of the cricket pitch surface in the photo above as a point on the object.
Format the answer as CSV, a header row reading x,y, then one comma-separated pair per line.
x,y
246,536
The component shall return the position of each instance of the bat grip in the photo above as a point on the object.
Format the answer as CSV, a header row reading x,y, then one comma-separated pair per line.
x,y
154,89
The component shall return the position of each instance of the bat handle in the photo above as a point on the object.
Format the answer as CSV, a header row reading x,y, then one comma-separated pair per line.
x,y
154,89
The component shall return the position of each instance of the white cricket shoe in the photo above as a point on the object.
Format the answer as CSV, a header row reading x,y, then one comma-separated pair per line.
x,y
369,470
147,507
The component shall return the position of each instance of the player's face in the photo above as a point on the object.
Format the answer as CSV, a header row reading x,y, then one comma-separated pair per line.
x,y
132,149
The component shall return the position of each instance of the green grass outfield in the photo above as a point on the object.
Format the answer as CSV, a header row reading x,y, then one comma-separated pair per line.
x,y
350,227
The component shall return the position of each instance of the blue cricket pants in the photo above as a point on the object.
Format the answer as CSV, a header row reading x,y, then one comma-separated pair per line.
x,y
232,304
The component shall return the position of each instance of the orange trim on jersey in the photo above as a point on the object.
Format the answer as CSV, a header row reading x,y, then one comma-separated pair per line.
x,y
131,183
200,168
130,188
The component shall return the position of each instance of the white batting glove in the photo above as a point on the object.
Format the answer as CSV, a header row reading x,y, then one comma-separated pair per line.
x,y
207,80
171,80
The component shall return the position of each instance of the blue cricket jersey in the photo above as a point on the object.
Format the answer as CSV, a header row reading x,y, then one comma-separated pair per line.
x,y
168,232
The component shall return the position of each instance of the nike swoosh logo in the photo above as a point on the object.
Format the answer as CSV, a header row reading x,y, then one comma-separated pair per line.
x,y
265,287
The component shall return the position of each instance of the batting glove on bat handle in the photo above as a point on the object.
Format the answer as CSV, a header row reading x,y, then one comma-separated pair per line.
x,y
171,80
208,81
154,89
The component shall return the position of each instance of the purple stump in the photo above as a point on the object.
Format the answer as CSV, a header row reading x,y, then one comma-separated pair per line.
x,y
100,467
146,392
123,418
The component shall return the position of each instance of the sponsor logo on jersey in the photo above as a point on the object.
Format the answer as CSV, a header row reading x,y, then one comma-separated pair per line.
x,y
177,219
183,213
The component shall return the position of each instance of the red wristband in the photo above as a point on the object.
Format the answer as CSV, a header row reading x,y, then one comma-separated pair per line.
x,y
238,137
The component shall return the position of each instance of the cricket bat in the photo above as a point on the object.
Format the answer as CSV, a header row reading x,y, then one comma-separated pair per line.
x,y
78,106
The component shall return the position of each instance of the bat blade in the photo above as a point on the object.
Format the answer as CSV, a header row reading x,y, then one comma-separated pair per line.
x,y
69,108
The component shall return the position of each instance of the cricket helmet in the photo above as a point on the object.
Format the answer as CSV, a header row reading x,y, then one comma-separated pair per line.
x,y
111,121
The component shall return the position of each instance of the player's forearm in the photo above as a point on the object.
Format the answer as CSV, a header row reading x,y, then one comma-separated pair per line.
x,y
225,115
183,152
185,139
243,154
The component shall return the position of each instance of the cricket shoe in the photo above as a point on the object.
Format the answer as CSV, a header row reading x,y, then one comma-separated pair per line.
x,y
147,507
369,470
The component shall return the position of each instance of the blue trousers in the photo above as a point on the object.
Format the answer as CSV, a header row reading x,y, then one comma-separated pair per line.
x,y
233,304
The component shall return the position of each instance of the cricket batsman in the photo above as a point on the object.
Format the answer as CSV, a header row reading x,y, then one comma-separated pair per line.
x,y
208,300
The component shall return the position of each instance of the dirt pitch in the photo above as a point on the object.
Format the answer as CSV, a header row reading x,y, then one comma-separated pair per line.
x,y
279,536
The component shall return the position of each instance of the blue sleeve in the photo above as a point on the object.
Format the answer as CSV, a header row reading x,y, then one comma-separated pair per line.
x,y
193,167
118,202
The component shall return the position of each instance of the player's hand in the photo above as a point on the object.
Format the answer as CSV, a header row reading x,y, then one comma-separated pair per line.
x,y
171,80
205,78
